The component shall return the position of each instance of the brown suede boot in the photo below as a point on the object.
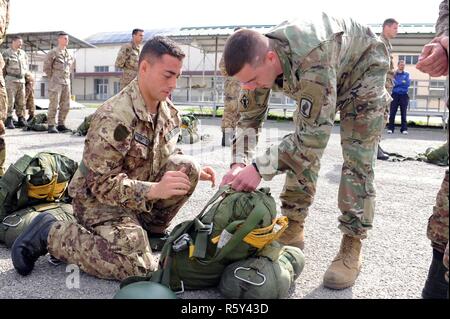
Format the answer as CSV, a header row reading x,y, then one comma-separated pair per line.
x,y
345,267
294,234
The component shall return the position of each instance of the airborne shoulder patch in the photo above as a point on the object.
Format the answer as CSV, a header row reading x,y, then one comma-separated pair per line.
x,y
244,101
306,105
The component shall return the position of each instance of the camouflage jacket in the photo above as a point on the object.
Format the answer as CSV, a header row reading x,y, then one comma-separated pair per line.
x,y
321,59
57,65
442,22
391,74
16,65
124,150
2,65
128,59
4,19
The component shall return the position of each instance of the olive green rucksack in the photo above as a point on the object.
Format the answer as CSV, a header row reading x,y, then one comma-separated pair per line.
x,y
269,275
189,129
33,180
38,123
14,224
83,128
197,251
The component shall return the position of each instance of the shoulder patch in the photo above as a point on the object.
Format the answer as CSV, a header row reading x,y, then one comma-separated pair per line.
x,y
121,133
244,101
306,107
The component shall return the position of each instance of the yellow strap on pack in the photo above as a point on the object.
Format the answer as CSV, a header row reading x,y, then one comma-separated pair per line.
x,y
262,236
50,191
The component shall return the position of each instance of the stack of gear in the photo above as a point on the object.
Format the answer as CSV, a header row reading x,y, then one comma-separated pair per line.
x,y
237,226
27,188
189,129
37,123
83,128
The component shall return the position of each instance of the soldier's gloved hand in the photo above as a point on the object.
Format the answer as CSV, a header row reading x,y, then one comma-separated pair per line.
x,y
246,180
173,183
208,174
231,174
433,60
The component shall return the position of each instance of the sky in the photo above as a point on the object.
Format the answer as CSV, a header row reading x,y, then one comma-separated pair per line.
x,y
82,18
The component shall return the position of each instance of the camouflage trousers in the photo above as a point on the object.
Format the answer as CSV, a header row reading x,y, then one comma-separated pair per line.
x,y
16,98
127,77
118,247
231,104
438,223
29,101
3,110
59,97
362,119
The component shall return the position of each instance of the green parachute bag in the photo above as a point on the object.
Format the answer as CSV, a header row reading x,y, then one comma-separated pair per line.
x,y
438,156
37,123
189,129
237,226
83,128
34,180
270,275
14,224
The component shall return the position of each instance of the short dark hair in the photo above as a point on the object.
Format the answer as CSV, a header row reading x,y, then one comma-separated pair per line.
x,y
16,37
136,31
157,46
400,61
389,22
243,46
62,34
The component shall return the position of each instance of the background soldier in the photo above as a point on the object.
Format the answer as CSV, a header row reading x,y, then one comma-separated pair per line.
x,y
29,95
389,32
128,57
308,60
434,61
16,65
57,66
131,182
4,21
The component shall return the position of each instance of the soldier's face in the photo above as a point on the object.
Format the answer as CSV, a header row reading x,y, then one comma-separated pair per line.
x,y
63,40
159,76
17,44
138,38
262,75
391,30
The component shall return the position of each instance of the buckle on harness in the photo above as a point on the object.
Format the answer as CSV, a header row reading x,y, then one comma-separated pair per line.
x,y
181,243
208,228
4,222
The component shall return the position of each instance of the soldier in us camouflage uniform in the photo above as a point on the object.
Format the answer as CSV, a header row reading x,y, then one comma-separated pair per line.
x,y
16,65
434,61
4,21
131,182
128,57
57,65
326,65
29,95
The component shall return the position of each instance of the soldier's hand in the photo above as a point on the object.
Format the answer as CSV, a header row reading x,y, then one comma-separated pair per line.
x,y
173,183
208,174
246,180
433,60
231,174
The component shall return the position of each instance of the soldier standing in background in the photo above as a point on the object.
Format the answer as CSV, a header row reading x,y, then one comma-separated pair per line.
x,y
131,181
434,61
325,64
4,21
128,57
16,65
29,95
389,32
57,66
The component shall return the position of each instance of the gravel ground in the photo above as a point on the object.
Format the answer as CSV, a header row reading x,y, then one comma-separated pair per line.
x,y
396,254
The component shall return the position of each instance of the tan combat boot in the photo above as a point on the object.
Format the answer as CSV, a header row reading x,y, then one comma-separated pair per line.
x,y
345,267
294,234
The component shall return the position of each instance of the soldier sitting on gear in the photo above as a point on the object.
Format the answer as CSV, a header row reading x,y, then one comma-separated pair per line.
x,y
131,182
326,65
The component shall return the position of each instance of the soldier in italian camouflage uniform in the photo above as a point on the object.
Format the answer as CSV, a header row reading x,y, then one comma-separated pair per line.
x,y
131,182
29,95
4,21
16,65
436,285
326,65
128,58
57,65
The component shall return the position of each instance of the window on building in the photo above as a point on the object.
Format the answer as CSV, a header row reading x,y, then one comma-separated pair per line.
x,y
116,69
437,85
409,59
412,91
116,87
33,67
42,89
101,88
101,68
